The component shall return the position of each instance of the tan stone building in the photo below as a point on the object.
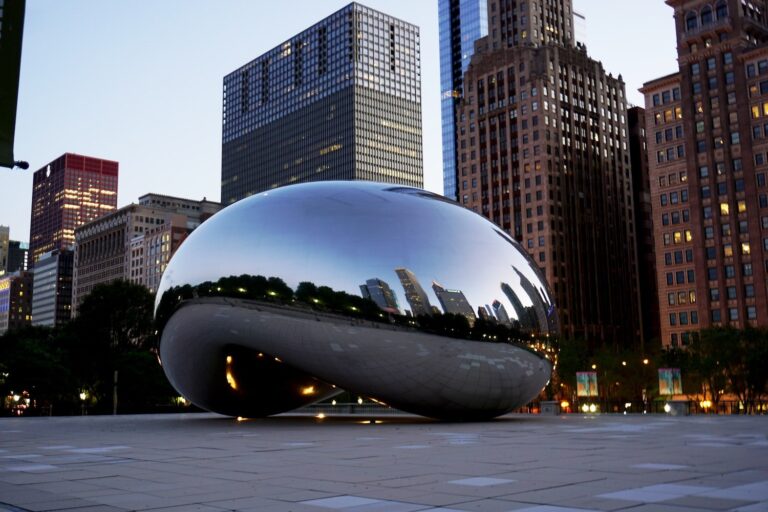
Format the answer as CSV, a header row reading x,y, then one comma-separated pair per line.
x,y
134,243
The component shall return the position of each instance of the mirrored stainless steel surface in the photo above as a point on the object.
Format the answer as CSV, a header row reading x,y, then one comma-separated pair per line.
x,y
288,296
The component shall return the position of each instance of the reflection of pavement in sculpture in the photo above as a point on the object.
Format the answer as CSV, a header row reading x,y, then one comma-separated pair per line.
x,y
286,297
410,370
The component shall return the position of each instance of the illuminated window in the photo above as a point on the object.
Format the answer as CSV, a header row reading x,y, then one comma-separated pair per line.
x,y
678,237
688,235
745,248
692,296
742,206
727,250
724,209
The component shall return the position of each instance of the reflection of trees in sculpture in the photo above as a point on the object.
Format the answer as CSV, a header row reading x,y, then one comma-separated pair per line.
x,y
324,299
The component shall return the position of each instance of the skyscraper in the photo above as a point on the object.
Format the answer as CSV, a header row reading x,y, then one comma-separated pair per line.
x,y
67,193
18,256
641,200
707,147
52,288
4,247
543,152
15,301
338,101
462,22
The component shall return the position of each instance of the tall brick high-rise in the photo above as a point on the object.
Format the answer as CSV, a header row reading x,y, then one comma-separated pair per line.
x,y
641,199
707,140
67,193
543,152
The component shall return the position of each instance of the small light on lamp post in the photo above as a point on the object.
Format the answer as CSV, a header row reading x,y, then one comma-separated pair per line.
x,y
83,397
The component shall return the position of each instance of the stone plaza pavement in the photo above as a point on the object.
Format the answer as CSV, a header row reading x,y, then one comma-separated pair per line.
x,y
205,462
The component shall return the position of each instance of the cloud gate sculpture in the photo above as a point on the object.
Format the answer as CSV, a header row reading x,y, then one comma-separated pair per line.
x,y
289,296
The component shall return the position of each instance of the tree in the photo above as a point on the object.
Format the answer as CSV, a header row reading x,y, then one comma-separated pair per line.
x,y
745,353
119,313
113,320
35,362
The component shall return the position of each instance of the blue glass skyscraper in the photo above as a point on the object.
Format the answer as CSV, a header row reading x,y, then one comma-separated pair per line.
x,y
462,22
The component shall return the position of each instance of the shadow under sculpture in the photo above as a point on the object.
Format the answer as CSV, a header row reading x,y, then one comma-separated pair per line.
x,y
324,290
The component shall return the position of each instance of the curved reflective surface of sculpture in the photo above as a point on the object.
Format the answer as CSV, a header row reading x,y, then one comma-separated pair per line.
x,y
390,292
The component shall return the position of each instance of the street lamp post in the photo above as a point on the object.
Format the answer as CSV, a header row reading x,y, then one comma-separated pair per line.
x,y
83,398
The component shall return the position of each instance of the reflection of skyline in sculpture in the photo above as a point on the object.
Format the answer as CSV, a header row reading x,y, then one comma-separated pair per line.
x,y
525,318
540,309
454,302
501,312
380,293
414,293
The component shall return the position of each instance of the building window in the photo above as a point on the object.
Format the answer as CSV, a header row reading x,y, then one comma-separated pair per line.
x,y
751,312
721,9
716,315
733,314
714,294
691,21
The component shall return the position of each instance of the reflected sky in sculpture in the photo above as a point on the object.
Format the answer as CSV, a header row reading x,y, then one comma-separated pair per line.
x,y
357,233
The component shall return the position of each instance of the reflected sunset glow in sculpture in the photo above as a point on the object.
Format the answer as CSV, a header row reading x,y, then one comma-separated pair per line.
x,y
289,296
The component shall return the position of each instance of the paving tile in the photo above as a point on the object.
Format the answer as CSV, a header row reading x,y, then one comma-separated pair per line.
x,y
660,467
757,491
481,481
708,503
656,493
339,502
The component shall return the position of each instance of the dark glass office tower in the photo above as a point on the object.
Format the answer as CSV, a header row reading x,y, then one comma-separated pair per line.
x,y
461,23
339,101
